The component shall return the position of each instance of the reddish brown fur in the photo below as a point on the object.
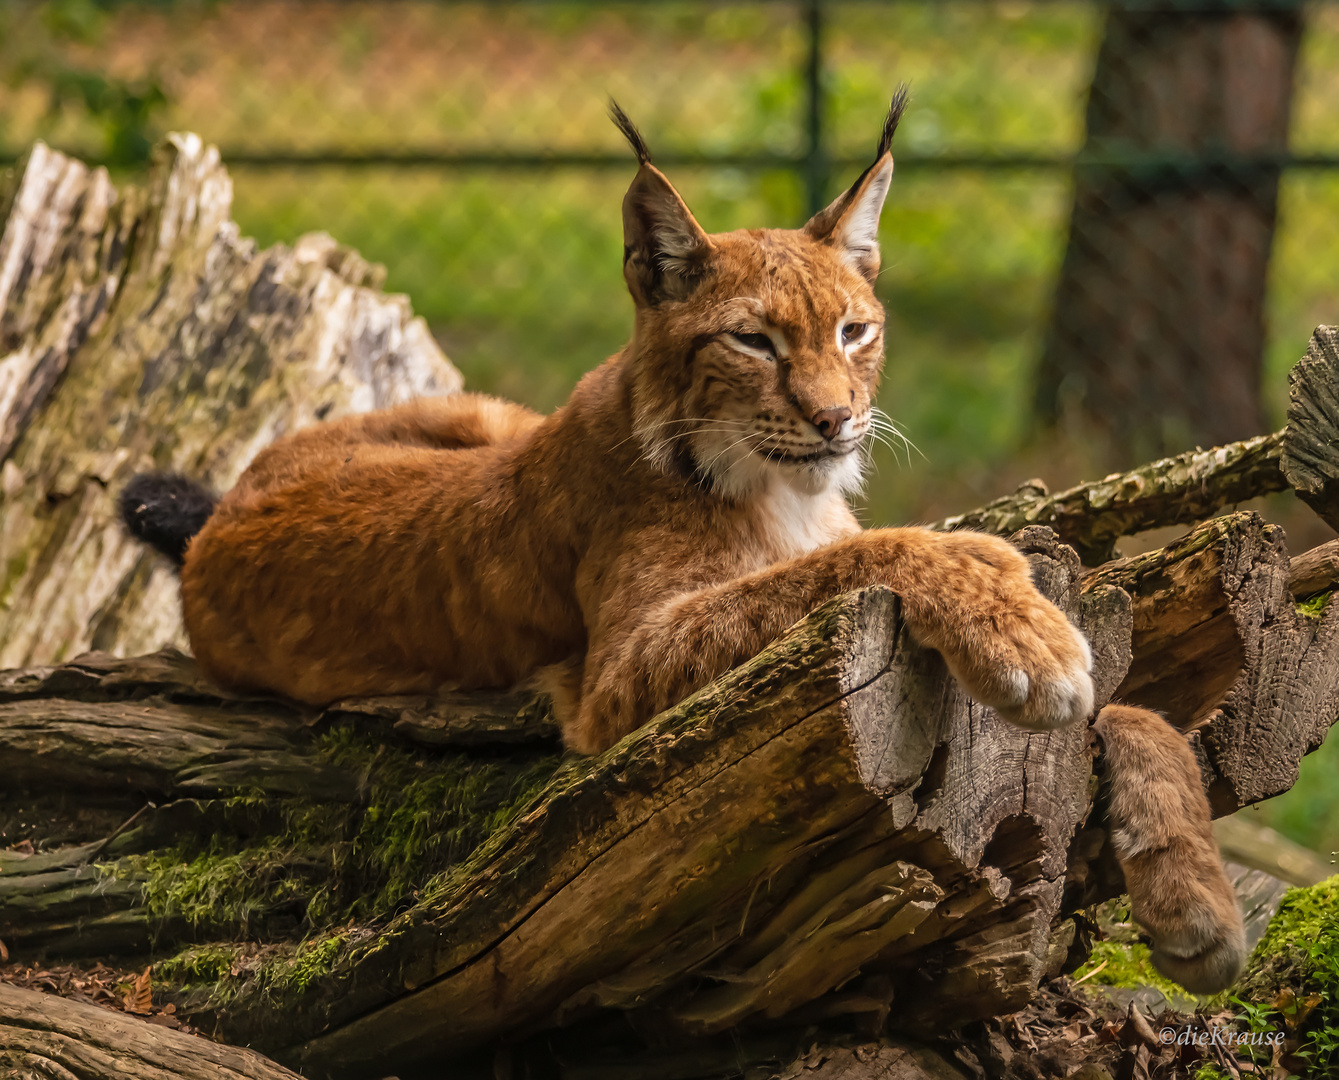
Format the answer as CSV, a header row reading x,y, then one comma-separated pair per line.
x,y
470,542
1161,833
680,512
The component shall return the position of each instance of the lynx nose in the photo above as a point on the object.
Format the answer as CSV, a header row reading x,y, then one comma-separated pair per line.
x,y
829,421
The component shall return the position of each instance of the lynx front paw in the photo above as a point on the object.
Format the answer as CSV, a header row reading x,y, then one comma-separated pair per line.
x,y
1048,675
1160,831
1010,647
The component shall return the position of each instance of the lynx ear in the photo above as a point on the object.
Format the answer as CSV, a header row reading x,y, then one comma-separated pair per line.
x,y
851,221
665,251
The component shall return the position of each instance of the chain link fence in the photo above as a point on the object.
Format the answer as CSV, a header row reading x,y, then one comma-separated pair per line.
x,y
1083,193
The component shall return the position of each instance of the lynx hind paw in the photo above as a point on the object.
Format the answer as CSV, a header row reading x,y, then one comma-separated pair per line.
x,y
1184,901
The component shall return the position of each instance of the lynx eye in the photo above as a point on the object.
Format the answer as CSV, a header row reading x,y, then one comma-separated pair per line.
x,y
761,342
853,331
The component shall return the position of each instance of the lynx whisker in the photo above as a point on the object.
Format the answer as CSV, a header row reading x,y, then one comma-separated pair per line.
x,y
706,468
885,425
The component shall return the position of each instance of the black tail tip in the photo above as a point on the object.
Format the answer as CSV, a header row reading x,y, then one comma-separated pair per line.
x,y
165,510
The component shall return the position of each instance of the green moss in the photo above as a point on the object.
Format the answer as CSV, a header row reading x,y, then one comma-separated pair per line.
x,y
312,959
265,870
199,964
1294,972
423,816
1210,1072
1301,917
213,975
1128,965
214,887
1313,606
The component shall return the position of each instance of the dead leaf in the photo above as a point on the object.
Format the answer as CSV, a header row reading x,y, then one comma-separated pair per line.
x,y
4,954
1137,1031
139,996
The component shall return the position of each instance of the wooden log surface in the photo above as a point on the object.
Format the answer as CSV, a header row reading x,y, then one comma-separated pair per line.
x,y
1312,433
138,330
43,1037
1224,649
834,810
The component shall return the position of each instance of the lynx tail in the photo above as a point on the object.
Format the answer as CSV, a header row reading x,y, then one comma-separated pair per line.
x,y
165,510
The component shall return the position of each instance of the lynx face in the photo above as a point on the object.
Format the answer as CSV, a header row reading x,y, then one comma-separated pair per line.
x,y
757,352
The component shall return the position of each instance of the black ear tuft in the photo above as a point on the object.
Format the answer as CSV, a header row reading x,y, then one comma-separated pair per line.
x,y
630,132
165,510
895,110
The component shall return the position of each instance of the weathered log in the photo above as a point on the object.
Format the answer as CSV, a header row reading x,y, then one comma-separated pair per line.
x,y
833,810
1223,648
43,1037
609,892
1315,571
159,750
1181,490
1313,426
1250,844
139,330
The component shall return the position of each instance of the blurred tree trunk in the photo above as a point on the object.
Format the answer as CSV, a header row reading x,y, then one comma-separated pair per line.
x,y
1158,328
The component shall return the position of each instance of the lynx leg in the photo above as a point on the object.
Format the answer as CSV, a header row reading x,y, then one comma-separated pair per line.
x,y
969,596
1163,842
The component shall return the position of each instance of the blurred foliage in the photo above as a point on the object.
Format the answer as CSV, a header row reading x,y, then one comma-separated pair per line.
x,y
518,270
1309,813
54,79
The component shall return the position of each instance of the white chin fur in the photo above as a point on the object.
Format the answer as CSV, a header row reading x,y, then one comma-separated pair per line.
x,y
737,472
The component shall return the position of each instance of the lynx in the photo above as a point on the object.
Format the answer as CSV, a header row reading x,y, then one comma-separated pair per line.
x,y
680,512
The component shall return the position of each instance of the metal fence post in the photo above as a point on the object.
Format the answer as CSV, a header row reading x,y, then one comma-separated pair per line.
x,y
816,165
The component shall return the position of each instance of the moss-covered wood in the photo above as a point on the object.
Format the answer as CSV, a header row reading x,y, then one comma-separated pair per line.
x,y
808,836
1180,490
238,817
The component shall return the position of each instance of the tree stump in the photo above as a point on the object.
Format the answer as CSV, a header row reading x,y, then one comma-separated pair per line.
x,y
138,330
